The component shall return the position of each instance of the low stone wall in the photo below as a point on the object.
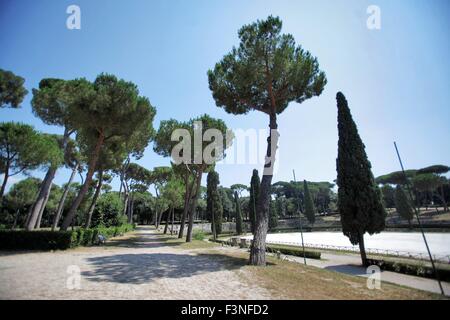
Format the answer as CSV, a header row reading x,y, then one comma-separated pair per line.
x,y
227,227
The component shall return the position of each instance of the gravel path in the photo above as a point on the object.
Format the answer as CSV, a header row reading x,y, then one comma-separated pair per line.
x,y
140,268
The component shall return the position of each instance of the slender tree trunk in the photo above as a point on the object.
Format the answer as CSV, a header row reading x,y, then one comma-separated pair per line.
x,y
159,219
5,180
442,195
92,166
16,217
126,198
362,250
193,207
166,227
120,189
155,219
27,220
258,247
157,213
63,198
213,223
44,193
173,220
41,211
131,209
87,224
44,190
238,214
187,196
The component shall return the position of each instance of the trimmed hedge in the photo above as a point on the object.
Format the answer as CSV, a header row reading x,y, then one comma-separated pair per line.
x,y
284,249
35,240
411,269
294,251
57,240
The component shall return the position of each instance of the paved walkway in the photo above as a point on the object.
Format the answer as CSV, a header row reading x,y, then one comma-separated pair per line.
x,y
143,268
351,264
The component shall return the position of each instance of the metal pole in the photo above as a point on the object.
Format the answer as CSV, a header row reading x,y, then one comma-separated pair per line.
x,y
418,220
300,220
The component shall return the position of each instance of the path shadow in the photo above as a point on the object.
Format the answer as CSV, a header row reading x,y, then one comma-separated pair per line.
x,y
348,269
142,242
141,268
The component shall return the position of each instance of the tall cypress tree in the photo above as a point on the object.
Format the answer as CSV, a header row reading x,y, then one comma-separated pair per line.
x,y
238,214
310,209
254,194
403,205
359,199
213,202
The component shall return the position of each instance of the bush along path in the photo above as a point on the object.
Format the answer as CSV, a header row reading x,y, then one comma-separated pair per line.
x,y
58,240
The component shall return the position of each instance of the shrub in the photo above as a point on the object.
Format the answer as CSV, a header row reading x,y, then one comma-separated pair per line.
x,y
410,268
88,237
108,211
294,251
284,249
56,240
35,240
198,235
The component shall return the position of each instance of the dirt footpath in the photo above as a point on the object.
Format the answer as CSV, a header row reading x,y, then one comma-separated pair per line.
x,y
140,267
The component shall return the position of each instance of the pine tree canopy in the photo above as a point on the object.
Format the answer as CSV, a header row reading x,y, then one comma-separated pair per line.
x,y
12,90
239,82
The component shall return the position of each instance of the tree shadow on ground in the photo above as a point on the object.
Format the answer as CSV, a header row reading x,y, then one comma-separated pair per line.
x,y
142,268
142,242
350,269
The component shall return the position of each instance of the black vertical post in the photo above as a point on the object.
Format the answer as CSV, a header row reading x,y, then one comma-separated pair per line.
x,y
418,220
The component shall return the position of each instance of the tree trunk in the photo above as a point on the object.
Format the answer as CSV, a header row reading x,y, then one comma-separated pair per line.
x,y
362,250
126,198
173,220
157,213
258,247
187,196
44,191
193,207
167,221
442,195
238,214
87,224
41,211
92,166
131,209
63,198
120,189
213,224
46,186
16,217
27,220
159,219
5,180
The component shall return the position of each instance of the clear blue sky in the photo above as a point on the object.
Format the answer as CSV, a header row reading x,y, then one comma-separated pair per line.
x,y
396,79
